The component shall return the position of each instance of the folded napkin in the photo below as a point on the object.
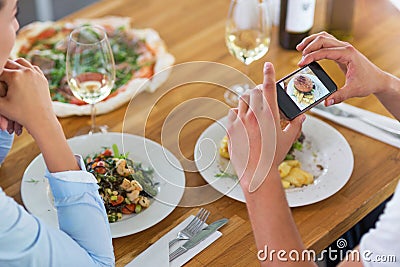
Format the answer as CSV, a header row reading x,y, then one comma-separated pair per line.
x,y
158,253
362,127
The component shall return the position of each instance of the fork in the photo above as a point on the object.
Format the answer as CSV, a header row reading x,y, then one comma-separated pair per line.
x,y
195,226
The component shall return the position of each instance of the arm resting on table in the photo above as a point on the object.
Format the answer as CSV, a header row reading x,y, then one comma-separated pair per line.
x,y
84,237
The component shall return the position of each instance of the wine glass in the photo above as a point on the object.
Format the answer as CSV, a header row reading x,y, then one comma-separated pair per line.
x,y
247,36
90,69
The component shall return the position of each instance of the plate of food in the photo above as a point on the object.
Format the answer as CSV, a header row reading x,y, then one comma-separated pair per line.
x,y
139,54
313,170
139,181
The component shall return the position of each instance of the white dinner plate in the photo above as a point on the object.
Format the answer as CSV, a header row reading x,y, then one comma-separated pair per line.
x,y
37,199
323,147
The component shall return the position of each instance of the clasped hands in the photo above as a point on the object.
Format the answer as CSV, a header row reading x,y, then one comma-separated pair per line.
x,y
6,124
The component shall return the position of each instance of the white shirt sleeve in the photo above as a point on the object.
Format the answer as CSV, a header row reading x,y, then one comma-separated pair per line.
x,y
381,246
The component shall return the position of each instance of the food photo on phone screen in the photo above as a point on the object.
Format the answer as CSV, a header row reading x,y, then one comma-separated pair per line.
x,y
304,88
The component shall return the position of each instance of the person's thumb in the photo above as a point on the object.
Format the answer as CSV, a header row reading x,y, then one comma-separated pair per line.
x,y
339,96
4,107
3,123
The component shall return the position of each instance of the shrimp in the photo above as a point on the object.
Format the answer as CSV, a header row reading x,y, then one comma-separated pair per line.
x,y
143,201
123,169
132,196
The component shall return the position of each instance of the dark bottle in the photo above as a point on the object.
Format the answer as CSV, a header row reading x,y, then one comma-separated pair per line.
x,y
339,18
296,21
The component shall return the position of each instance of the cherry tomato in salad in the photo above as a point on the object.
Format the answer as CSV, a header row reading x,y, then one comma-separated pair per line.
x,y
107,153
119,200
129,208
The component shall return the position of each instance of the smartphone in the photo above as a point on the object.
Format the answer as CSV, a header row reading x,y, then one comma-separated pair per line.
x,y
303,89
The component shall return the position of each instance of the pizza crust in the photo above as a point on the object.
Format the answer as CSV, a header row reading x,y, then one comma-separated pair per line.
x,y
164,61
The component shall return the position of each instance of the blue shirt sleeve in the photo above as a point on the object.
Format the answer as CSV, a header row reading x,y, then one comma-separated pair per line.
x,y
84,237
6,141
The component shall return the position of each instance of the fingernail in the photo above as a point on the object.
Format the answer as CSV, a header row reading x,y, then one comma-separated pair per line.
x,y
303,118
18,132
330,102
266,66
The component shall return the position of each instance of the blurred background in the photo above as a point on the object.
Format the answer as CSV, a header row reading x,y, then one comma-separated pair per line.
x,y
32,10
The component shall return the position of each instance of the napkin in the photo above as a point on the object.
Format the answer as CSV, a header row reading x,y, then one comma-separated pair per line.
x,y
362,127
158,253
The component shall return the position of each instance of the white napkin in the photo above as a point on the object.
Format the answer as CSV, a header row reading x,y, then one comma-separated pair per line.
x,y
362,127
158,253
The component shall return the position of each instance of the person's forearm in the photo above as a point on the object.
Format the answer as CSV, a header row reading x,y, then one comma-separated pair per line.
x,y
52,143
272,222
389,95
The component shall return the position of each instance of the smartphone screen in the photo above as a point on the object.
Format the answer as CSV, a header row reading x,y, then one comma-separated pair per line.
x,y
303,89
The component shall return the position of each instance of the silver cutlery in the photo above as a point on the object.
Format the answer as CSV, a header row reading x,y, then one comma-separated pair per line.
x,y
341,113
195,226
196,239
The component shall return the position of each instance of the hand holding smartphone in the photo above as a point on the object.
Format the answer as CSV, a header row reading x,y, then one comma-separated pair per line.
x,y
303,89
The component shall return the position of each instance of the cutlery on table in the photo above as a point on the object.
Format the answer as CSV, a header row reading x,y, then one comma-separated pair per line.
x,y
195,226
196,239
341,113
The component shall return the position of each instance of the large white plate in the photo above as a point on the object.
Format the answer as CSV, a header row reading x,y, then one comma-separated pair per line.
x,y
37,198
323,146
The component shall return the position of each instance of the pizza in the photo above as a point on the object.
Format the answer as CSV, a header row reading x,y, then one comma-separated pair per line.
x,y
138,55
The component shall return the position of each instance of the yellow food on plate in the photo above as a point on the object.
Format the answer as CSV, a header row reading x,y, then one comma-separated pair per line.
x,y
223,148
293,175
290,170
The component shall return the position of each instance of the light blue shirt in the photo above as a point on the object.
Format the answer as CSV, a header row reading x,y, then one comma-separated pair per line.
x,y
5,144
84,237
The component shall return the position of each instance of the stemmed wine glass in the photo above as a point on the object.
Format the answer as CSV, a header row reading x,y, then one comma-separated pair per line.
x,y
247,36
90,69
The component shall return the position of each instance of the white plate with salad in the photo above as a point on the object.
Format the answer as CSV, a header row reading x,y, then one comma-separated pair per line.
x,y
325,153
162,182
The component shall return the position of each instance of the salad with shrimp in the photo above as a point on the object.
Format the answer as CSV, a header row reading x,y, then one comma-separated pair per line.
x,y
126,187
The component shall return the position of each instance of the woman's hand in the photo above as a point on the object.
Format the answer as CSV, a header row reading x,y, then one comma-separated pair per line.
x,y
6,124
10,126
256,141
362,76
28,99
28,102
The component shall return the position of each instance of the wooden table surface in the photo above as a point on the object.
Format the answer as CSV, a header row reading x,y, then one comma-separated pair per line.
x,y
194,31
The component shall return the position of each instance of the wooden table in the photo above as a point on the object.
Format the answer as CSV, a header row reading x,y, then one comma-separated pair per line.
x,y
194,30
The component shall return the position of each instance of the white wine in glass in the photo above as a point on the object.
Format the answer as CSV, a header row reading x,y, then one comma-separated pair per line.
x,y
247,36
90,68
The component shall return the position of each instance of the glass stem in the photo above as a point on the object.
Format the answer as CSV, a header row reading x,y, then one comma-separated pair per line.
x,y
93,116
247,70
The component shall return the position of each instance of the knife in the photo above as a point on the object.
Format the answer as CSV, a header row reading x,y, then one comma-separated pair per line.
x,y
341,113
196,239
